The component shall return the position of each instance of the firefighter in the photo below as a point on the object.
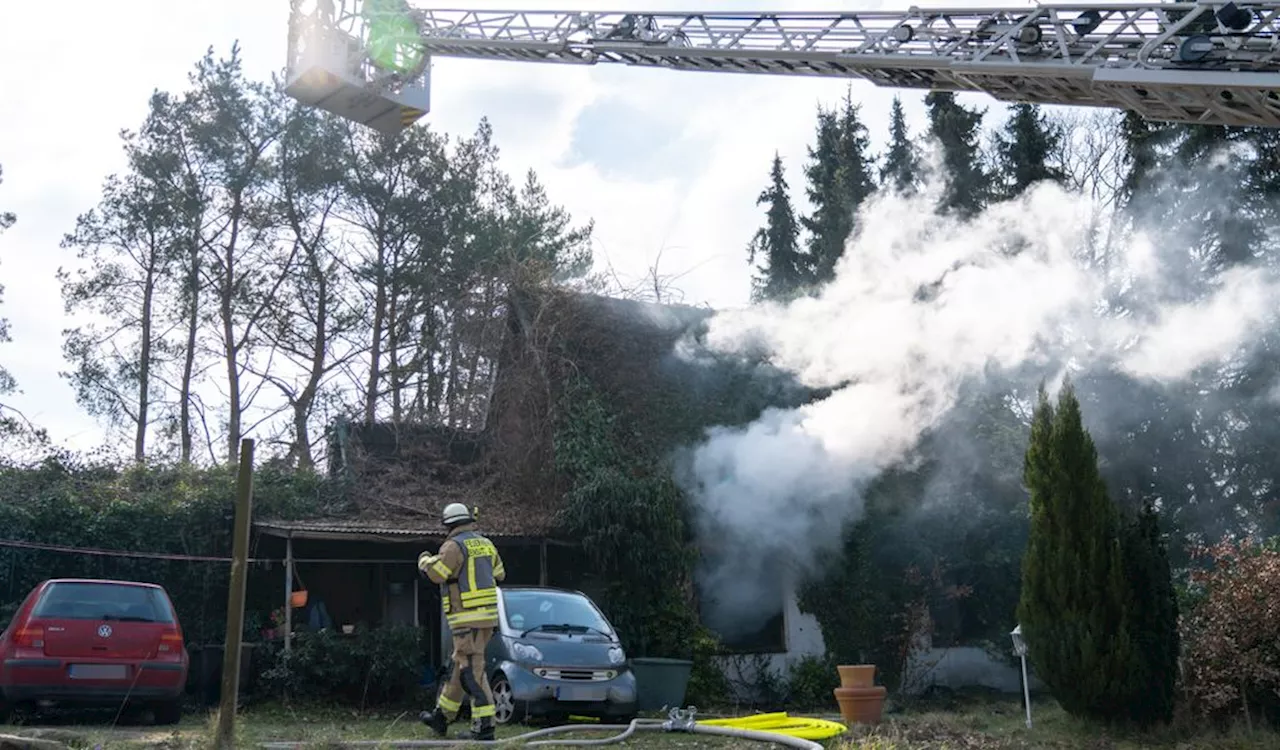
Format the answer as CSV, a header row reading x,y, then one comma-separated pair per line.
x,y
468,569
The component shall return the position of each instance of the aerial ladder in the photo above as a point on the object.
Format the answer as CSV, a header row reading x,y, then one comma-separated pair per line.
x,y
1205,62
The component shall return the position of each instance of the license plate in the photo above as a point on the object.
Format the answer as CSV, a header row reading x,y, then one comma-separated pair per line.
x,y
580,693
99,672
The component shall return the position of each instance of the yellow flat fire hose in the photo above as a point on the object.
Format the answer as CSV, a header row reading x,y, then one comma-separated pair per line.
x,y
783,723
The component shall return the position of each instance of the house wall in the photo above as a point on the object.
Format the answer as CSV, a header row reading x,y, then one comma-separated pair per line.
x,y
928,667
749,673
962,667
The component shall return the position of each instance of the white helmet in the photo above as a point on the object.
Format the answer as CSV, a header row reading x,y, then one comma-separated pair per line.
x,y
456,513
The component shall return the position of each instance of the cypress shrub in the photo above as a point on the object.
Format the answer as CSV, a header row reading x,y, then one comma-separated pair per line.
x,y
1153,615
1075,596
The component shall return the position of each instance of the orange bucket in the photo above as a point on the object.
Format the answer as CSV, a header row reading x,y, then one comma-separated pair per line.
x,y
298,599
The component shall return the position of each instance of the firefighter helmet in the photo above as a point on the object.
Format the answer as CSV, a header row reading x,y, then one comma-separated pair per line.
x,y
456,513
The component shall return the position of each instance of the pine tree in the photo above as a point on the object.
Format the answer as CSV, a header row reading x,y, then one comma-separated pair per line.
x,y
901,168
776,245
1074,593
826,226
1143,141
1153,613
957,129
839,176
853,179
1029,150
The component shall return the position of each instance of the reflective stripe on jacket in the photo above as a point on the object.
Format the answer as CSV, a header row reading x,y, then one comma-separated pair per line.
x,y
468,569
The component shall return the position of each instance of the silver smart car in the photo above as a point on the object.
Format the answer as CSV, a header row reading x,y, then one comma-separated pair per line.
x,y
555,655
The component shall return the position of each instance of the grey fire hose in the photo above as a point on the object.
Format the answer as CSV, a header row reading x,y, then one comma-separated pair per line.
x,y
679,720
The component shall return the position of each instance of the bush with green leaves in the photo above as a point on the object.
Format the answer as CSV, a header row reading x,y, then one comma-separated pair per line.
x,y
378,667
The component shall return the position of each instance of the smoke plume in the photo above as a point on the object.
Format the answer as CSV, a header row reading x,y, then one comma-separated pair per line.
x,y
922,306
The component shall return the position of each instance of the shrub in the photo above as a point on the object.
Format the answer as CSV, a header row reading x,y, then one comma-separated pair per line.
x,y
378,667
811,681
1231,632
1153,620
1075,599
156,509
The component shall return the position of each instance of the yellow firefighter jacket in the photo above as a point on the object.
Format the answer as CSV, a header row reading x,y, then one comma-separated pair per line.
x,y
468,569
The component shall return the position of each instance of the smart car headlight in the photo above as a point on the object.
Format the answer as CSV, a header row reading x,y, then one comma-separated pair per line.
x,y
616,655
525,652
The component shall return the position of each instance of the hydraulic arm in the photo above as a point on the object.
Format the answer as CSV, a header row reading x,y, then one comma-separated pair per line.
x,y
1206,62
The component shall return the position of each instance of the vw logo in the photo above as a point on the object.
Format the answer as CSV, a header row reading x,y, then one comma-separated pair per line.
x,y
104,631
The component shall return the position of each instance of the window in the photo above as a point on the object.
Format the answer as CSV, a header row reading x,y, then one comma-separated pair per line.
x,y
528,609
103,601
757,627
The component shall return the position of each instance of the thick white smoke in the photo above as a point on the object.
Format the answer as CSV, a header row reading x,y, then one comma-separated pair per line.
x,y
920,305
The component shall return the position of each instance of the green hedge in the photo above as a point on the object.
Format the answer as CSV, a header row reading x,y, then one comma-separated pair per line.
x,y
171,510
378,667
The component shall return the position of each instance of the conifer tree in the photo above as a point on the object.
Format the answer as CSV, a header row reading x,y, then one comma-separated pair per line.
x,y
775,247
900,170
826,225
839,180
957,129
1075,597
1028,150
1153,613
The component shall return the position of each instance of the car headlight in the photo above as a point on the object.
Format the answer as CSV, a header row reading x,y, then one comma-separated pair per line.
x,y
525,652
616,655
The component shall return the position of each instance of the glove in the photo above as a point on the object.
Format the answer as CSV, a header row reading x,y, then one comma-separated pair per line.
x,y
425,561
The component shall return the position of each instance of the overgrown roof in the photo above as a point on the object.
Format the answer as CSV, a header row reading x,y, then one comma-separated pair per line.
x,y
402,475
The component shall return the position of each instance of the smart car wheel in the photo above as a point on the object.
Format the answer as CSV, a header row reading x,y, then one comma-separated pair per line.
x,y
505,707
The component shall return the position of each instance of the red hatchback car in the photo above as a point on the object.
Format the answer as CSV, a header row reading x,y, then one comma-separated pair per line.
x,y
88,643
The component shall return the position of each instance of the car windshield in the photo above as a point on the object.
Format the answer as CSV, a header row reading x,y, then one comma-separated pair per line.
x,y
552,610
103,601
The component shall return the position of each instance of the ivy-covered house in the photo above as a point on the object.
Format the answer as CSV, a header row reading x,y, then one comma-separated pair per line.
x,y
571,475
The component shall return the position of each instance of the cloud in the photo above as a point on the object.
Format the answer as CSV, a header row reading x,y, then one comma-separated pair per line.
x,y
680,181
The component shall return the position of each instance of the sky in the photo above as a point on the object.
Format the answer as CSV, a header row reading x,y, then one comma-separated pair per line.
x,y
668,164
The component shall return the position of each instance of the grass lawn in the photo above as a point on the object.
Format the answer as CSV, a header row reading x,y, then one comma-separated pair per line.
x,y
976,724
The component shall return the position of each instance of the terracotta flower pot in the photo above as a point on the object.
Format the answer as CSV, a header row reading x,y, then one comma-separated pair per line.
x,y
857,675
861,705
861,700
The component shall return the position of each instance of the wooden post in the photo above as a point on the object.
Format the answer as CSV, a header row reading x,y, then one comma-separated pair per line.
x,y
542,562
224,738
288,592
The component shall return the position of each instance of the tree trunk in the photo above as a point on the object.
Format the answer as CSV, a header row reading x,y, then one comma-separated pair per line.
x,y
229,347
379,325
320,345
455,354
393,353
189,363
431,374
144,364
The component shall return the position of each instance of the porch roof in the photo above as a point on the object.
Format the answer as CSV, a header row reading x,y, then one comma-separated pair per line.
x,y
395,531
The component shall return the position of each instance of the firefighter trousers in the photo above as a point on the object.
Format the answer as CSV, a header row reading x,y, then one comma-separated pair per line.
x,y
467,678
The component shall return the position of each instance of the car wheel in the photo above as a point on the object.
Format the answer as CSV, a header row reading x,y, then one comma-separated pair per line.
x,y
506,709
168,713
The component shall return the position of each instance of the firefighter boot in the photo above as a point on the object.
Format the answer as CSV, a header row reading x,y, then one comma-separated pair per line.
x,y
435,719
481,731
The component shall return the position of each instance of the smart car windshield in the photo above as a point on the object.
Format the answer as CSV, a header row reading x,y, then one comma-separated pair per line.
x,y
553,611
